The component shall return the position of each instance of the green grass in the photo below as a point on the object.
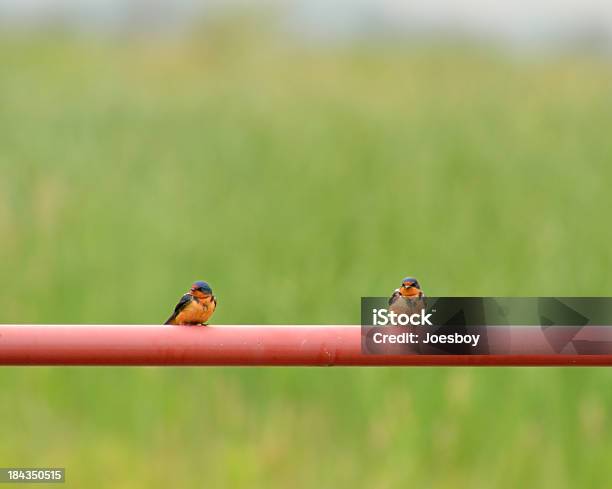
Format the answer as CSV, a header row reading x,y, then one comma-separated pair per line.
x,y
297,180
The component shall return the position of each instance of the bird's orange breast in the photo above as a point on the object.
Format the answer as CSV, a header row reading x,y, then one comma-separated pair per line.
x,y
196,312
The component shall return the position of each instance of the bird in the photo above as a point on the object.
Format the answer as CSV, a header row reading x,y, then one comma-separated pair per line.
x,y
408,298
195,307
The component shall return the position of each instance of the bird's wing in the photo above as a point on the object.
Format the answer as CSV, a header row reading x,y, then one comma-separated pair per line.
x,y
394,296
186,299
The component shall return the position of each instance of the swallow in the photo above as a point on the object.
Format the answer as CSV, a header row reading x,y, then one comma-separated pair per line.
x,y
195,307
408,298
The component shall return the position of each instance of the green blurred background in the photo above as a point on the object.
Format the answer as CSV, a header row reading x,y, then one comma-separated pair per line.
x,y
297,177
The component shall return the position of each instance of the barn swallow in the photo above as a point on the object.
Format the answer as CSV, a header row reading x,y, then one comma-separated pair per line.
x,y
408,298
195,307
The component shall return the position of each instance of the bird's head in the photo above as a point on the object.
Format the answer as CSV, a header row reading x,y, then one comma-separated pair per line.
x,y
410,287
200,289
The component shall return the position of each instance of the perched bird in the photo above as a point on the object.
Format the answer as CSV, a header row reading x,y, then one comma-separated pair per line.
x,y
408,299
195,307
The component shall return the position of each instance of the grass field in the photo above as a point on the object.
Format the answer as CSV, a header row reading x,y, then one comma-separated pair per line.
x,y
296,180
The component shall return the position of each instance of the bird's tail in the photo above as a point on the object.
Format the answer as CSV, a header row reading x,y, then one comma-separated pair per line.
x,y
170,320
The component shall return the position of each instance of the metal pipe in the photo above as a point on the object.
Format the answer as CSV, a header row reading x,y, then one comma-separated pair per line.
x,y
226,346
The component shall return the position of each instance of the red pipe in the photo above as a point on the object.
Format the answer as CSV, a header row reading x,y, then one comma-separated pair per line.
x,y
225,345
